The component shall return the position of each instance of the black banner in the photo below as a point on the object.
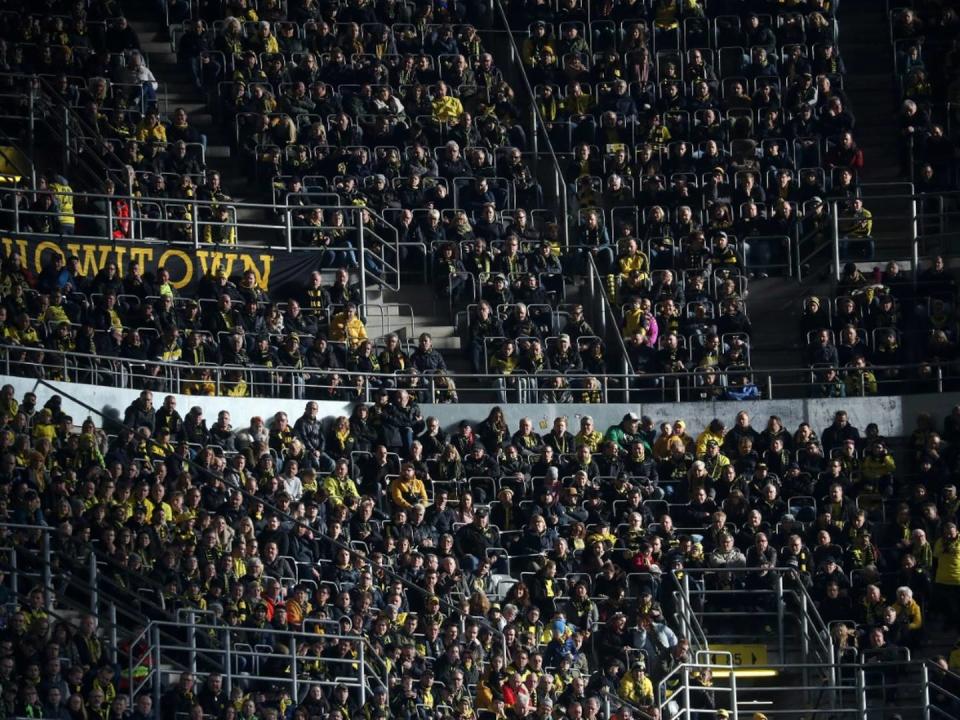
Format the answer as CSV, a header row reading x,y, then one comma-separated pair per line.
x,y
279,273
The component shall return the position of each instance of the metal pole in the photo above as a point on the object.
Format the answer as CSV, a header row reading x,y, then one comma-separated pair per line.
x,y
805,640
835,227
910,156
862,693
110,218
769,387
780,618
66,139
192,640
939,378
294,690
195,221
14,575
112,613
686,689
289,219
228,659
130,687
533,127
94,585
916,241
733,695
363,264
925,671
47,598
363,675
156,666
562,190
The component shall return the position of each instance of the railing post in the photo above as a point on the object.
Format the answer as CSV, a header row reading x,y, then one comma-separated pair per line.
x,y
686,690
195,222
363,674
533,126
835,230
112,614
769,387
14,575
733,694
109,218
362,250
66,138
192,640
47,597
910,143
94,585
914,228
939,378
288,216
131,690
780,618
158,680
925,672
862,693
228,659
294,672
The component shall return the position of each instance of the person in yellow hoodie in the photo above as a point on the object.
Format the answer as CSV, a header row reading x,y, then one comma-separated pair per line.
x,y
633,316
877,468
588,435
537,45
632,258
446,108
635,687
150,128
407,490
340,486
347,327
946,553
661,446
680,432
715,431
9,406
43,425
64,195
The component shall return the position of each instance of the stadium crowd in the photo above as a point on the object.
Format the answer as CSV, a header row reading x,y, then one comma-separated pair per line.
x,y
496,572
695,141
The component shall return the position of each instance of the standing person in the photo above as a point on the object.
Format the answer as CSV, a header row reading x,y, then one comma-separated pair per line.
x,y
60,187
946,553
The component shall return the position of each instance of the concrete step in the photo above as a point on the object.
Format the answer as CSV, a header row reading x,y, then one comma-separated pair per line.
x,y
155,47
217,152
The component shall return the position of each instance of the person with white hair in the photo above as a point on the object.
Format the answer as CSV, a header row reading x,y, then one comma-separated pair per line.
x,y
141,82
910,614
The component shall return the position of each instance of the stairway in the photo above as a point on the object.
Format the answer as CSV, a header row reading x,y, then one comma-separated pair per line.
x,y
871,89
871,93
176,90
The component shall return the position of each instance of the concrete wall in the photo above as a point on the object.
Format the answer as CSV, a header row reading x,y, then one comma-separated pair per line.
x,y
894,415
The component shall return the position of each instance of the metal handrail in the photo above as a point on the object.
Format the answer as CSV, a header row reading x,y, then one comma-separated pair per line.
x,y
72,363
107,160
151,634
810,612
